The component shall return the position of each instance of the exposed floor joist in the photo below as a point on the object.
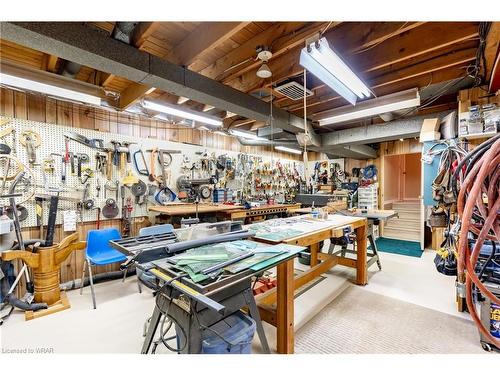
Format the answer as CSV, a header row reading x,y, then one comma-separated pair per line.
x,y
204,37
80,44
420,40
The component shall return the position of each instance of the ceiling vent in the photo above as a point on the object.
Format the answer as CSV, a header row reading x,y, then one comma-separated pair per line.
x,y
293,90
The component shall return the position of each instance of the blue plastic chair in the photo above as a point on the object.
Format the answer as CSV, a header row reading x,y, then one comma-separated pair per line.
x,y
148,277
100,253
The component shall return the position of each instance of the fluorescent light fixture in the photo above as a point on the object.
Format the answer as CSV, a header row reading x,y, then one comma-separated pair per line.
x,y
246,135
288,149
326,65
368,108
51,90
181,112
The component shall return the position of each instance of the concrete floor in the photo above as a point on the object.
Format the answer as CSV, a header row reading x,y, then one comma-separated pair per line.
x,y
116,325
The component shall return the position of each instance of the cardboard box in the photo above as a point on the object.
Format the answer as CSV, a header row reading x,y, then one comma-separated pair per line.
x,y
430,130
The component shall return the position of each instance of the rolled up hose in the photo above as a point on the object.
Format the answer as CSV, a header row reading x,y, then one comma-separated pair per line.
x,y
482,177
25,306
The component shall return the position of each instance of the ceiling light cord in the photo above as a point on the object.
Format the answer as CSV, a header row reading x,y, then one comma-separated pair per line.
x,y
271,123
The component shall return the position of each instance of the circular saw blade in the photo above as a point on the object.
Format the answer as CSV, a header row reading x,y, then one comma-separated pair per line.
x,y
139,188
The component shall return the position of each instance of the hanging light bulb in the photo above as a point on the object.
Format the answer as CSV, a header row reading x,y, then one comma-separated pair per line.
x,y
264,71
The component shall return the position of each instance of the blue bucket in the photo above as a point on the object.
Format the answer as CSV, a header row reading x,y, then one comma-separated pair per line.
x,y
233,335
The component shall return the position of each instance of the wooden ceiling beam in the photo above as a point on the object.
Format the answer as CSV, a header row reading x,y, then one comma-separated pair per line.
x,y
243,56
283,45
492,48
142,32
205,37
106,79
242,122
133,93
52,63
371,36
349,36
415,42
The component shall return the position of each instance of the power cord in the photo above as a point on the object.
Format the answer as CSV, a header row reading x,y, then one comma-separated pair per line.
x,y
166,317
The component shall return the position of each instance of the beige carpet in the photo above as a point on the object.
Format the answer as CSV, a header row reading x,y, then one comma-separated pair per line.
x,y
359,321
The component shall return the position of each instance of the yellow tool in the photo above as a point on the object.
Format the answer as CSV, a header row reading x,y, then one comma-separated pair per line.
x,y
129,178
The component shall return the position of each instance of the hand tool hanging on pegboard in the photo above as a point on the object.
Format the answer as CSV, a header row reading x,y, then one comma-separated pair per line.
x,y
110,209
126,213
139,190
92,143
140,163
31,140
101,163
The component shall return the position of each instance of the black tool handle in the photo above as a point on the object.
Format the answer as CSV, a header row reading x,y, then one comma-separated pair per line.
x,y
51,225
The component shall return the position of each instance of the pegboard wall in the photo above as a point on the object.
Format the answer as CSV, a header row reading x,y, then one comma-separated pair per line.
x,y
53,142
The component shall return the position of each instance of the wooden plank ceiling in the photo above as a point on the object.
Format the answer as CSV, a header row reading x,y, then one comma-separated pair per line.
x,y
388,56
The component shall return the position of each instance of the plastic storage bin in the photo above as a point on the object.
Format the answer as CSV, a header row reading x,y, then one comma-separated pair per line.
x,y
234,336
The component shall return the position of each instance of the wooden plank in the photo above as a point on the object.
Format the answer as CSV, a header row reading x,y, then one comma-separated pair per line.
x,y
418,41
36,108
491,50
133,93
314,249
7,102
245,52
52,63
268,314
203,38
106,79
142,32
281,46
361,270
20,105
190,208
285,308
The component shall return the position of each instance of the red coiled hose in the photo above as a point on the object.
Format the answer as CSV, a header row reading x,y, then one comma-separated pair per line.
x,y
482,178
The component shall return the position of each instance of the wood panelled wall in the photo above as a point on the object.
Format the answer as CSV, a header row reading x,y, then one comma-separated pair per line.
x,y
39,108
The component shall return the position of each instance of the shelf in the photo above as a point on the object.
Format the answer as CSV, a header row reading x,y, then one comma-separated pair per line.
x,y
478,135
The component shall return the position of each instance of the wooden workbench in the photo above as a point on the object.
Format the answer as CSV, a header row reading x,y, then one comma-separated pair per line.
x,y
282,316
264,210
189,209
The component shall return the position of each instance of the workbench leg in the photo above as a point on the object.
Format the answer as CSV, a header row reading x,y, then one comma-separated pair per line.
x,y
153,326
314,249
285,308
254,314
361,261
374,250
